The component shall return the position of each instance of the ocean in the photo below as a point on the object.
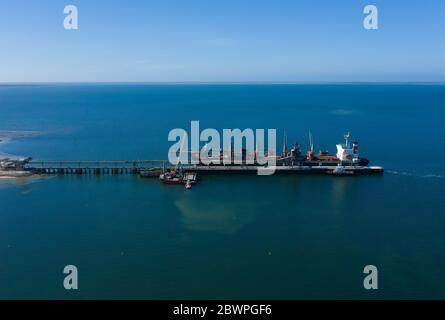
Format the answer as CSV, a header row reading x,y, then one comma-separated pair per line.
x,y
230,237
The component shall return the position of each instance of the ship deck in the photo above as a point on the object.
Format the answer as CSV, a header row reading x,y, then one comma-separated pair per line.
x,y
358,170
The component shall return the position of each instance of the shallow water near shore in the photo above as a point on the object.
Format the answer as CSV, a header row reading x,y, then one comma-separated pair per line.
x,y
229,236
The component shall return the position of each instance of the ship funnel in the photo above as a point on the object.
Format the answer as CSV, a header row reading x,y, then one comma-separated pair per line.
x,y
355,147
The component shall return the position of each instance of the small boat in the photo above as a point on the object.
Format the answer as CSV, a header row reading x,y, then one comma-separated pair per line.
x,y
190,177
188,185
341,171
171,178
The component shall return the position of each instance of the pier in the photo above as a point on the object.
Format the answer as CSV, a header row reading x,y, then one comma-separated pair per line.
x,y
96,167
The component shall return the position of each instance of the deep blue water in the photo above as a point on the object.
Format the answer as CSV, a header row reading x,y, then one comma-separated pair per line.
x,y
229,237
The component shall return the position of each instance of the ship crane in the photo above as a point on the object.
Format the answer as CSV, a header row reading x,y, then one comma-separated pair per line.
x,y
311,142
285,150
311,153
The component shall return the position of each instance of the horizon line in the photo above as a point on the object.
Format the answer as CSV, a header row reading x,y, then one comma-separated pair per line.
x,y
30,83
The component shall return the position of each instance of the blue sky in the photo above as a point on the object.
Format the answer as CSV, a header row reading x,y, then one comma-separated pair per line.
x,y
222,41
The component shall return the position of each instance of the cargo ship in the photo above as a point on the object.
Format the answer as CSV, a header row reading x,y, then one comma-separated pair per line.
x,y
346,161
347,154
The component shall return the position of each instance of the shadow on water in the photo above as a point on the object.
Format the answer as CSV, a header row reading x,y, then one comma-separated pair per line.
x,y
227,204
224,204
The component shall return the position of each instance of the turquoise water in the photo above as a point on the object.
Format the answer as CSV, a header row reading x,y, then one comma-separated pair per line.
x,y
229,237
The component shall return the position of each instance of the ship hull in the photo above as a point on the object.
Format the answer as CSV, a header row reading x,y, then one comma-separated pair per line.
x,y
281,170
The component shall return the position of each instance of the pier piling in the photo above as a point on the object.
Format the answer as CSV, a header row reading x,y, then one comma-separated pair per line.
x,y
95,167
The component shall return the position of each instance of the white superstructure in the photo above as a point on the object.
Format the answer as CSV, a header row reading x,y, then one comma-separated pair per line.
x,y
347,153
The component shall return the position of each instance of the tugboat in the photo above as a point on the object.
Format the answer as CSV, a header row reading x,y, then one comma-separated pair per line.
x,y
177,177
174,176
171,178
189,179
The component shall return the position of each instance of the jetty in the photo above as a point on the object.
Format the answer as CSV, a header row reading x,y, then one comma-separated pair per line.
x,y
96,166
162,166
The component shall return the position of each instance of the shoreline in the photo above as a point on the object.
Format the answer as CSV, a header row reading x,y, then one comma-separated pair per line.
x,y
7,136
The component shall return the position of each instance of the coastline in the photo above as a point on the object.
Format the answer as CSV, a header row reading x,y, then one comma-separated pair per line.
x,y
7,136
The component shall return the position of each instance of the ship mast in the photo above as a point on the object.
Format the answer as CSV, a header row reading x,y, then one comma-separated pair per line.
x,y
346,136
285,150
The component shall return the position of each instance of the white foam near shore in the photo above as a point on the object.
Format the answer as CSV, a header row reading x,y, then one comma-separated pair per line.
x,y
2,142
7,136
10,156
